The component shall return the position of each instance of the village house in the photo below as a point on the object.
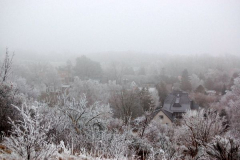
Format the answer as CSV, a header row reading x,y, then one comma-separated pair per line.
x,y
175,104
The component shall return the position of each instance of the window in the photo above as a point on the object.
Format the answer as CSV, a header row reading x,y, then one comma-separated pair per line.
x,y
178,115
161,116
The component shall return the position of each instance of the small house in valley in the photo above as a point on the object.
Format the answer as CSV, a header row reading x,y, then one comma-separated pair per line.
x,y
175,105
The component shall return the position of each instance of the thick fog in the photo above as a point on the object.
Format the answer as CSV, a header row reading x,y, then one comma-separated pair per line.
x,y
61,27
120,79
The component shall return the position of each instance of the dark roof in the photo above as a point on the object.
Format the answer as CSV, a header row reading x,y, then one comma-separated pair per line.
x,y
177,102
168,114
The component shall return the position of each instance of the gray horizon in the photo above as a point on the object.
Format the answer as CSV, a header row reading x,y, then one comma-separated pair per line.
x,y
92,26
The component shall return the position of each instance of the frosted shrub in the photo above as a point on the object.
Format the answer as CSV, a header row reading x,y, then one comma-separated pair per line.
x,y
28,137
223,148
198,128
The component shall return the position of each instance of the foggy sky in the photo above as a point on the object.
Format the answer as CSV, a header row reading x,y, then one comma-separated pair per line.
x,y
153,26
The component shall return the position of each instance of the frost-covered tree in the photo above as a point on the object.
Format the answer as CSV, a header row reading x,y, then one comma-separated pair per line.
x,y
81,115
21,86
93,90
152,139
126,104
162,92
155,97
231,102
51,77
203,100
8,96
81,121
198,128
223,148
112,144
6,66
38,75
29,139
140,124
195,81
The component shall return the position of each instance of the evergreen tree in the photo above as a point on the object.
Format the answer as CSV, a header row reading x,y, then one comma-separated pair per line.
x,y
85,68
200,89
146,100
185,83
162,92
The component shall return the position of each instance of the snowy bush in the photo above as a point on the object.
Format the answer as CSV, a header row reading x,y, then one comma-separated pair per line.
x,y
223,148
8,96
230,101
28,137
198,128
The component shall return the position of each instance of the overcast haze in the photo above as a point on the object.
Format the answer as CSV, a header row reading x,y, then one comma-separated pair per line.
x,y
158,26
